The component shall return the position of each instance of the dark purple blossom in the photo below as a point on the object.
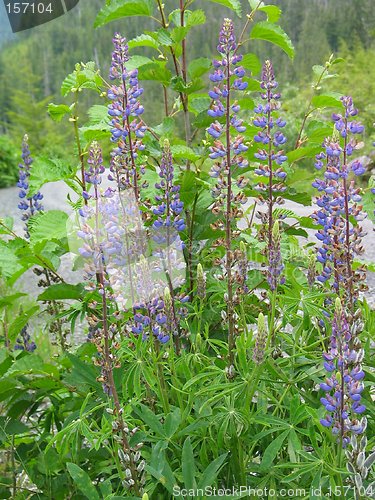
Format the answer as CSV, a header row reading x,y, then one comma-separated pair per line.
x,y
23,342
30,205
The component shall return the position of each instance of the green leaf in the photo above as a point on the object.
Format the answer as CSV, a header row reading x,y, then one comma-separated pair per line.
x,y
272,450
123,8
58,111
45,170
211,472
199,67
9,262
136,62
274,34
304,152
11,427
194,18
85,75
82,481
231,4
62,291
48,226
273,12
143,41
188,465
181,152
331,99
98,114
156,71
251,62
150,419
21,321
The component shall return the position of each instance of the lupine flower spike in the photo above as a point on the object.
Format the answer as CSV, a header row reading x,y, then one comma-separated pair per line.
x,y
339,200
30,205
227,151
344,384
271,157
125,110
261,340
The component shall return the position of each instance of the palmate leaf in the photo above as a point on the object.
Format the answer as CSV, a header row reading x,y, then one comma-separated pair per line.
x,y
274,34
118,9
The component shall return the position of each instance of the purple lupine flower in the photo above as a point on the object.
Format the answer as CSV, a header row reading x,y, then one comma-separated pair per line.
x,y
23,342
227,152
343,385
275,264
261,341
271,159
125,110
30,205
168,207
339,239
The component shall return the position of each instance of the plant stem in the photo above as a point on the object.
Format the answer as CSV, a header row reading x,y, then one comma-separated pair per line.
x,y
228,229
79,146
349,284
160,375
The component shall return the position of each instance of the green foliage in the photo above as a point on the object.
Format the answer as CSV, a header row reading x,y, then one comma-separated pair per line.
x,y
62,435
8,162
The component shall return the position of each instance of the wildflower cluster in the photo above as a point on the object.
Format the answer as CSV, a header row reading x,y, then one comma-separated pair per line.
x,y
161,273
125,110
343,386
30,205
339,201
271,139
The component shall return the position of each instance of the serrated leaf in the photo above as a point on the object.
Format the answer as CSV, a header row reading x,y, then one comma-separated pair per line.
x,y
47,170
195,17
234,5
136,62
61,291
155,71
82,481
274,34
331,99
198,67
273,12
143,41
9,263
181,152
48,226
98,114
251,62
21,321
58,111
118,9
